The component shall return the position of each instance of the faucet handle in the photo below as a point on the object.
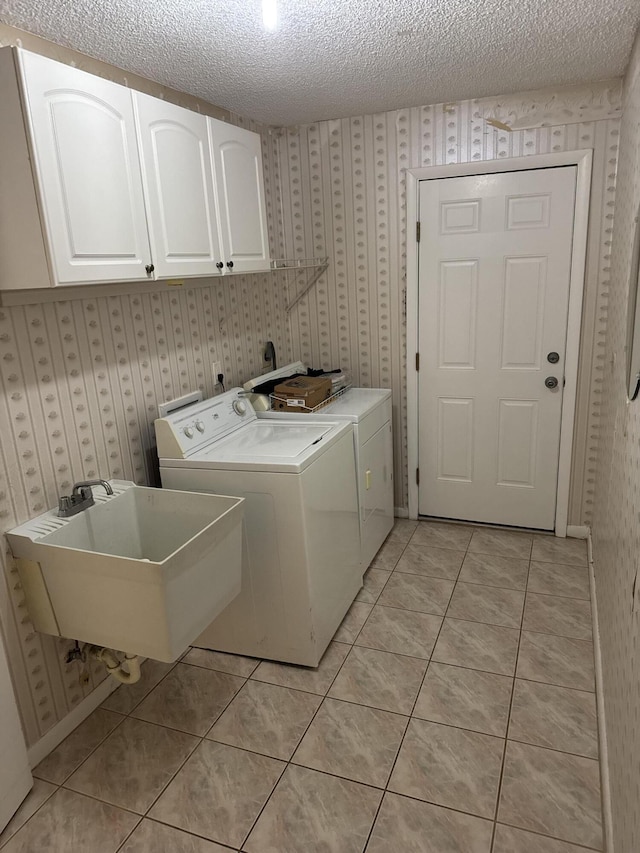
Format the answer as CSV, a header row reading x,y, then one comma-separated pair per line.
x,y
64,505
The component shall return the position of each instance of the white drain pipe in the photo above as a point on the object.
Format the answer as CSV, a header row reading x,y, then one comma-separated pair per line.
x,y
128,674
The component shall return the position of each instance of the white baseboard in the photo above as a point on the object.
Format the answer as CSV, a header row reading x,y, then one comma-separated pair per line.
x,y
578,531
67,724
400,512
607,821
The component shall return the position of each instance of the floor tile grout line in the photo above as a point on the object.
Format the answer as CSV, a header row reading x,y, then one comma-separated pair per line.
x,y
122,686
552,749
549,837
506,741
411,716
46,800
401,744
185,831
288,763
199,738
78,766
196,746
124,840
561,636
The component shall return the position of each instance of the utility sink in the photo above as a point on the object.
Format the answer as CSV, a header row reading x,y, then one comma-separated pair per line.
x,y
144,571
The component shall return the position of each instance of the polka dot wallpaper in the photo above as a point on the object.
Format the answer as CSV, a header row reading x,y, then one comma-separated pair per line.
x,y
343,189
616,519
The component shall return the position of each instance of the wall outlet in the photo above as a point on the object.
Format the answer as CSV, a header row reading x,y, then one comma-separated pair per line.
x,y
216,368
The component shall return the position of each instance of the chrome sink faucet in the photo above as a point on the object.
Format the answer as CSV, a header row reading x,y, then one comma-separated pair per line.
x,y
81,497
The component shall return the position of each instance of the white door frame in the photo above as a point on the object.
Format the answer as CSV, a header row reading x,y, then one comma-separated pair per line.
x,y
582,159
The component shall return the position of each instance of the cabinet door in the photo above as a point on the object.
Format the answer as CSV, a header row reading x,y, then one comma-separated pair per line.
x,y
178,185
237,157
86,162
376,491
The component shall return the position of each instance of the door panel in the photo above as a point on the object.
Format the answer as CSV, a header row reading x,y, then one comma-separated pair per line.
x,y
176,170
523,314
517,427
458,301
376,490
455,439
237,158
86,159
494,271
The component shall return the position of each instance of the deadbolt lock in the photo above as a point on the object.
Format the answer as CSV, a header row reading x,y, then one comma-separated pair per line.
x,y
553,357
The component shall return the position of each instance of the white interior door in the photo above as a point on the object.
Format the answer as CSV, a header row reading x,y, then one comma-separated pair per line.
x,y
15,775
493,293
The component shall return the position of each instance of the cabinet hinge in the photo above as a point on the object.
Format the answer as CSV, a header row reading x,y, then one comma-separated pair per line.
x,y
417,476
417,361
417,232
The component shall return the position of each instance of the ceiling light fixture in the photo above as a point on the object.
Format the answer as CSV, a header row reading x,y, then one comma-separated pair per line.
x,y
270,15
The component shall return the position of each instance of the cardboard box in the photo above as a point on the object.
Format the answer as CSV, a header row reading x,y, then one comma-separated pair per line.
x,y
300,394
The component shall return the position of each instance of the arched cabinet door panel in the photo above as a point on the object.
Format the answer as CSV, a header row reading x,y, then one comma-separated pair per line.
x,y
237,157
177,176
87,173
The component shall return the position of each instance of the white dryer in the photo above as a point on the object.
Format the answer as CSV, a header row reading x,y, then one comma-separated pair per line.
x,y
369,411
300,569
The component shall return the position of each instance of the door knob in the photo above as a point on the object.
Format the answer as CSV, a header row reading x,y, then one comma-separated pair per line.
x,y
230,264
149,269
551,382
553,357
219,265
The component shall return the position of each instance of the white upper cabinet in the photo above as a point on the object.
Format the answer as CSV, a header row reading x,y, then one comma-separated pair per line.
x,y
178,185
103,184
85,159
237,158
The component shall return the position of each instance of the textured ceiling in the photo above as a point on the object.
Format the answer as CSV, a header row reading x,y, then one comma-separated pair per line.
x,y
334,58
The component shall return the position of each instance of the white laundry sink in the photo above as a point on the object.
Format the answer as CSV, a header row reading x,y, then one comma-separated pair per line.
x,y
143,571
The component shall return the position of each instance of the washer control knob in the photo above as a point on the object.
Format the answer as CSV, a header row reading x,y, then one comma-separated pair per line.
x,y
239,407
200,426
188,431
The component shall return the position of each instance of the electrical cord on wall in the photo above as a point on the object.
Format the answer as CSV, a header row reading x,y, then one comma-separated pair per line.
x,y
220,378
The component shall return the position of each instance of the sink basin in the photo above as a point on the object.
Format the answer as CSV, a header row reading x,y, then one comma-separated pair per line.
x,y
143,571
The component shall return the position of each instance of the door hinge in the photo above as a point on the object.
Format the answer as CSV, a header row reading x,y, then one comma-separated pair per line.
x,y
417,232
417,361
417,476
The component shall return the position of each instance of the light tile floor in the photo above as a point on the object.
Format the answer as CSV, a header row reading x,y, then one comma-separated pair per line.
x,y
454,713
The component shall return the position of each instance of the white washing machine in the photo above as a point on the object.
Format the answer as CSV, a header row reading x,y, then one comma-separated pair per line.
x,y
369,411
300,562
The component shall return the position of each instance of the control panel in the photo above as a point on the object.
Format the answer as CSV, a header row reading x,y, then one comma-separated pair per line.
x,y
190,429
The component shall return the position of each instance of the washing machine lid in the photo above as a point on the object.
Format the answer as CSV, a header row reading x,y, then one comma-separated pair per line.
x,y
280,373
264,445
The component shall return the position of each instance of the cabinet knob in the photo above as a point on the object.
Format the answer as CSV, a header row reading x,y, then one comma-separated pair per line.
x,y
219,265
230,264
149,268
